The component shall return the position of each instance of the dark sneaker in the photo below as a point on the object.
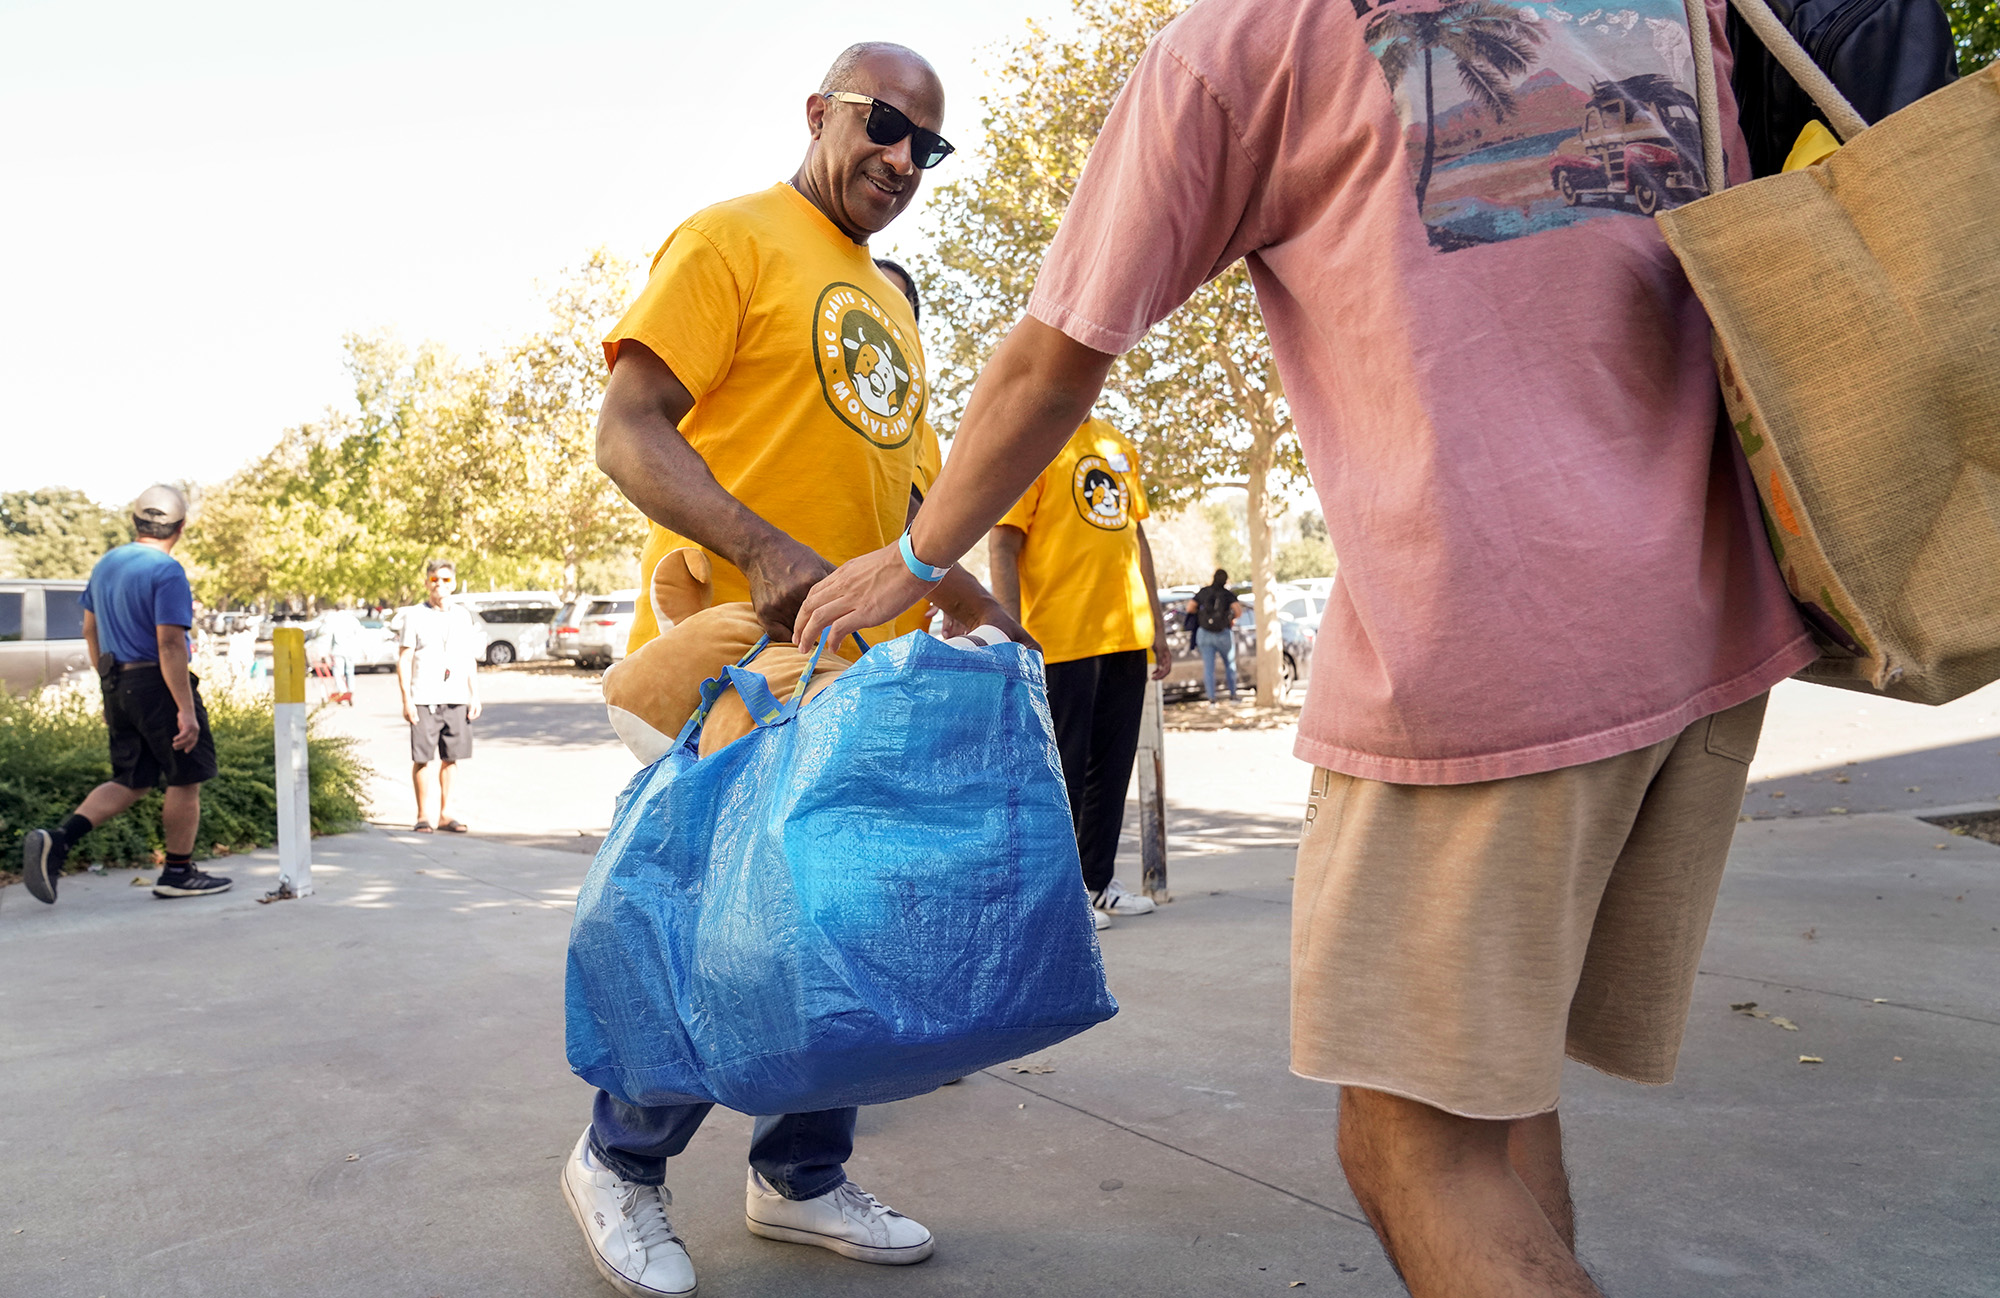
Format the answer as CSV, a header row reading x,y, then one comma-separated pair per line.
x,y
189,882
42,856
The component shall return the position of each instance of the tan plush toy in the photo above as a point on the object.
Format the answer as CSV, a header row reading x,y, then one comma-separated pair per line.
x,y
651,694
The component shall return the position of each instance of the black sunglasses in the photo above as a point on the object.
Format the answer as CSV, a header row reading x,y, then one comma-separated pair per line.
x,y
886,125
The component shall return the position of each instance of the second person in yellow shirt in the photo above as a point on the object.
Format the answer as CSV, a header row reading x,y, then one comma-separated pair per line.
x,y
1070,560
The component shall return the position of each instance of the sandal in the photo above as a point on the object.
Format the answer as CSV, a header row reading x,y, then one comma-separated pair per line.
x,y
421,827
453,827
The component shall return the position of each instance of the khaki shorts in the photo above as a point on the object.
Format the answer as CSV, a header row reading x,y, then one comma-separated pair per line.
x,y
1450,943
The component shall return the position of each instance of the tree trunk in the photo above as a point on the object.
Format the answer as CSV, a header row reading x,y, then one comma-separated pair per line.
x,y
1430,136
1263,571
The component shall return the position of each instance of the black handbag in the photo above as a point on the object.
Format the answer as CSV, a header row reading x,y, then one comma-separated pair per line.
x,y
1881,54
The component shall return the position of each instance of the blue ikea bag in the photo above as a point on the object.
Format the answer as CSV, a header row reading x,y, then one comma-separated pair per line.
x,y
858,901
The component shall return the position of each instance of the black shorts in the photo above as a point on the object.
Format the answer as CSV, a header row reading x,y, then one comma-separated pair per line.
x,y
442,730
143,718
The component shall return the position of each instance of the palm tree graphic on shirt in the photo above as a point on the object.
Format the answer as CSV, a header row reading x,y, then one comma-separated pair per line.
x,y
1491,44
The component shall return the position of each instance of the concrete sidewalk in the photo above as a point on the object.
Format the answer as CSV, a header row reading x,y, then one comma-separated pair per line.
x,y
364,1094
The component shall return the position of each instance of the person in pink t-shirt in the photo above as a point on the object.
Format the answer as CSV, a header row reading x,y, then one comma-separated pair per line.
x,y
1542,670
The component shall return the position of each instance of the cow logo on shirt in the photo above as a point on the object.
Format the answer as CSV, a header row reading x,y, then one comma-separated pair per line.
x,y
1101,496
1529,116
868,368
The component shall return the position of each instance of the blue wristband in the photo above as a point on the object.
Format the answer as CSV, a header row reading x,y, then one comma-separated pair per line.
x,y
918,568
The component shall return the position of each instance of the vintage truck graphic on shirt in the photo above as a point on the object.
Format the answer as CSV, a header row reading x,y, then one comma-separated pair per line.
x,y
1640,143
1501,100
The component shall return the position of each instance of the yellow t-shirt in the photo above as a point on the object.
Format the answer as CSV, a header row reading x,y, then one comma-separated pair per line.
x,y
808,377
1082,592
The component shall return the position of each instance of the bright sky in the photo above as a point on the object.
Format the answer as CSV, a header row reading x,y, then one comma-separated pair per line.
x,y
203,197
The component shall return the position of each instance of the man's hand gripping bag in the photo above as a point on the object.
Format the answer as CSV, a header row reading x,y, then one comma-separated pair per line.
x,y
858,901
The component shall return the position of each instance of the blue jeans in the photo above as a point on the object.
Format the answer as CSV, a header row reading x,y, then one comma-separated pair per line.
x,y
1214,645
802,1155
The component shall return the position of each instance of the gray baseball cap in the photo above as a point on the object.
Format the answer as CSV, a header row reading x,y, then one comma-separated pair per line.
x,y
160,503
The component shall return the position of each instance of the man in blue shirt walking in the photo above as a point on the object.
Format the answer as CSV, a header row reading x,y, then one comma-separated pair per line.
x,y
136,613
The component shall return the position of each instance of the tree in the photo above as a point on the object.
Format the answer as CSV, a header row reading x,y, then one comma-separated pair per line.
x,y
1490,43
490,462
56,532
1976,24
1199,394
551,385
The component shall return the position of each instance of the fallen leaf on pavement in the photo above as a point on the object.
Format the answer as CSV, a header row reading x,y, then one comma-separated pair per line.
x,y
353,1158
1880,1000
1811,1059
138,882
1296,1284
1036,1069
1743,1007
1779,1021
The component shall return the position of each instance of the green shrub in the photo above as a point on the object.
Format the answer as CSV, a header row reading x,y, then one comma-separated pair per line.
x,y
54,751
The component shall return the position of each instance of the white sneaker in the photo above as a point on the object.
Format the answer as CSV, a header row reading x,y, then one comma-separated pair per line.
x,y
626,1230
1115,899
846,1219
1098,918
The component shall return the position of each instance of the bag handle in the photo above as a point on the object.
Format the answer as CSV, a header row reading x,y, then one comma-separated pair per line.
x,y
756,695
1846,122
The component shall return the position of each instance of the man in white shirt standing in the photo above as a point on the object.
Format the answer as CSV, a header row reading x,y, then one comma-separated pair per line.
x,y
435,672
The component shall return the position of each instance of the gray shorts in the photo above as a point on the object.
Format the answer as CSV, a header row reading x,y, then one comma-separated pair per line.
x,y
441,730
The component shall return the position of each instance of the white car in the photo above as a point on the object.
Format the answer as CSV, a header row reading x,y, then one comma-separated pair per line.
x,y
516,623
370,644
603,625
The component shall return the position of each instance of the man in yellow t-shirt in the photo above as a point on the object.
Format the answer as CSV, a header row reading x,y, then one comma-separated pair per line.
x,y
767,404
1071,559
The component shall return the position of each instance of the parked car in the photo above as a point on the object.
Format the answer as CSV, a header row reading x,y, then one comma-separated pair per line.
x,y
41,633
604,627
1640,140
371,645
378,646
563,632
516,622
1301,606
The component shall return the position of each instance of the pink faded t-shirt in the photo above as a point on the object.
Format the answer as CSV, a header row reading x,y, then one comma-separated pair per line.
x,y
1548,554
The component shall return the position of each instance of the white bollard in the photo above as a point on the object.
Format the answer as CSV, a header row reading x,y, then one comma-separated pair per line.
x,y
288,694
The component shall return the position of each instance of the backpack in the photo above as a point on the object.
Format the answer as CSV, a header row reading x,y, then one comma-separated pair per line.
x,y
1212,605
1882,54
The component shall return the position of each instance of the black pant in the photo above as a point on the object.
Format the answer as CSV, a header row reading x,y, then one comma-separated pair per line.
x,y
1096,703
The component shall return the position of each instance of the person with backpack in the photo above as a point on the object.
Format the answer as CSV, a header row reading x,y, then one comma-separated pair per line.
x,y
1216,609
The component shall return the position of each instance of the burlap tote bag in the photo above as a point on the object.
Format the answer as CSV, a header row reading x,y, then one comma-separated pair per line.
x,y
1856,305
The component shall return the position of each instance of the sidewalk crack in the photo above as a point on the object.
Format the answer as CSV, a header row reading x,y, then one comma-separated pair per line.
x,y
1187,1153
1846,996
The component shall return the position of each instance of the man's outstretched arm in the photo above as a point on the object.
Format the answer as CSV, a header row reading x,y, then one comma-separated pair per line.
x,y
640,447
1039,386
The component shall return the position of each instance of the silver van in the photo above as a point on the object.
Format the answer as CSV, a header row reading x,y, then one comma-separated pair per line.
x,y
41,632
516,622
